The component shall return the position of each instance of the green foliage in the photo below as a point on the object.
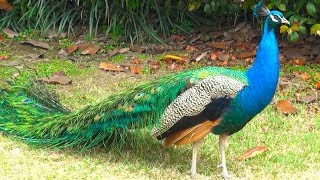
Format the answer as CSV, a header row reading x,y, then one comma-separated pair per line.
x,y
302,15
64,43
133,19
315,29
221,8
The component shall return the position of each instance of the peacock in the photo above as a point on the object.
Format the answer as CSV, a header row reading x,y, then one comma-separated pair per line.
x,y
178,109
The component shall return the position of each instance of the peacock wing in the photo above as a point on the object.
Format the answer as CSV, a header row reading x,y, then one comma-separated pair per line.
x,y
197,109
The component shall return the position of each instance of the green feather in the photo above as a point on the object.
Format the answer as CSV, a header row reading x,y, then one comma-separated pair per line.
x,y
33,114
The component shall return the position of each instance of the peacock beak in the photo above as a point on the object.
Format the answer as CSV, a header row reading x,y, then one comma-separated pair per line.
x,y
285,21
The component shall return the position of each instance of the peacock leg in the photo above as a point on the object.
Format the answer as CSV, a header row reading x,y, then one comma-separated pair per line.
x,y
195,149
223,144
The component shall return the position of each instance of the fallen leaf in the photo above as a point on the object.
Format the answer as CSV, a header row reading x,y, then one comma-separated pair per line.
x,y
176,38
57,78
36,43
174,66
298,61
62,53
1,38
112,52
4,57
173,58
159,48
318,86
83,46
5,5
305,76
71,49
305,99
286,107
201,56
223,57
136,61
123,50
252,153
135,70
110,67
219,45
190,48
10,33
36,56
213,56
246,54
91,50
155,65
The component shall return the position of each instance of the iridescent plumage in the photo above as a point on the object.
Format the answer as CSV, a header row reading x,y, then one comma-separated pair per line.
x,y
180,108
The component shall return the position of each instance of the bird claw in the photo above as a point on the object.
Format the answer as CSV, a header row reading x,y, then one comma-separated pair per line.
x,y
225,176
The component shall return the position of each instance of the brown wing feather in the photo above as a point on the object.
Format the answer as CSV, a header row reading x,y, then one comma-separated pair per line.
x,y
191,134
172,139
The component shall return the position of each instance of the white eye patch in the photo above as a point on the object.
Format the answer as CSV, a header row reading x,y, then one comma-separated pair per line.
x,y
275,18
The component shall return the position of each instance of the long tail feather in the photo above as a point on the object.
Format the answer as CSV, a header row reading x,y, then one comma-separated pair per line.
x,y
36,116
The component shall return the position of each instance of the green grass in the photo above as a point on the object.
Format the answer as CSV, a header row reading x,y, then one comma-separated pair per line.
x,y
292,141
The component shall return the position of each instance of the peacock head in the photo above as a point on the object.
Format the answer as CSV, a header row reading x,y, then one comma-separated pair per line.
x,y
274,17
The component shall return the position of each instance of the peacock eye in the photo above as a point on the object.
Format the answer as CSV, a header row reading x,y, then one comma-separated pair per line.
x,y
153,90
120,105
275,18
138,95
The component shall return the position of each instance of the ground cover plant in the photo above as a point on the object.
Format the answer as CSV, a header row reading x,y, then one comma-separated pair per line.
x,y
290,137
281,142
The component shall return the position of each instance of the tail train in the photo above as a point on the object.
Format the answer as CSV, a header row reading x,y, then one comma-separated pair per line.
x,y
34,114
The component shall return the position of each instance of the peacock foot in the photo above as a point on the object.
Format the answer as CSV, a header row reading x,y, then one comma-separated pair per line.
x,y
225,175
198,177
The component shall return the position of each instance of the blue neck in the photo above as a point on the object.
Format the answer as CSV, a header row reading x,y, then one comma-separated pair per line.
x,y
264,73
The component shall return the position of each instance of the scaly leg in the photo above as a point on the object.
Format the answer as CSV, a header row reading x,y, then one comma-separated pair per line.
x,y
223,144
195,148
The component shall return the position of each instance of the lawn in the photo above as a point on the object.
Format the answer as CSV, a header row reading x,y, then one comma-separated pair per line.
x,y
292,140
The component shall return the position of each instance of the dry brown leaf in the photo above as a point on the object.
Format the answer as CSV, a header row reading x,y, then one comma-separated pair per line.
x,y
4,57
305,99
71,49
219,45
57,78
224,57
1,38
110,67
286,107
298,61
83,46
36,43
190,48
246,54
5,5
318,86
136,61
10,33
173,58
112,52
135,70
91,50
252,153
213,56
177,38
174,66
123,50
305,76
155,66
